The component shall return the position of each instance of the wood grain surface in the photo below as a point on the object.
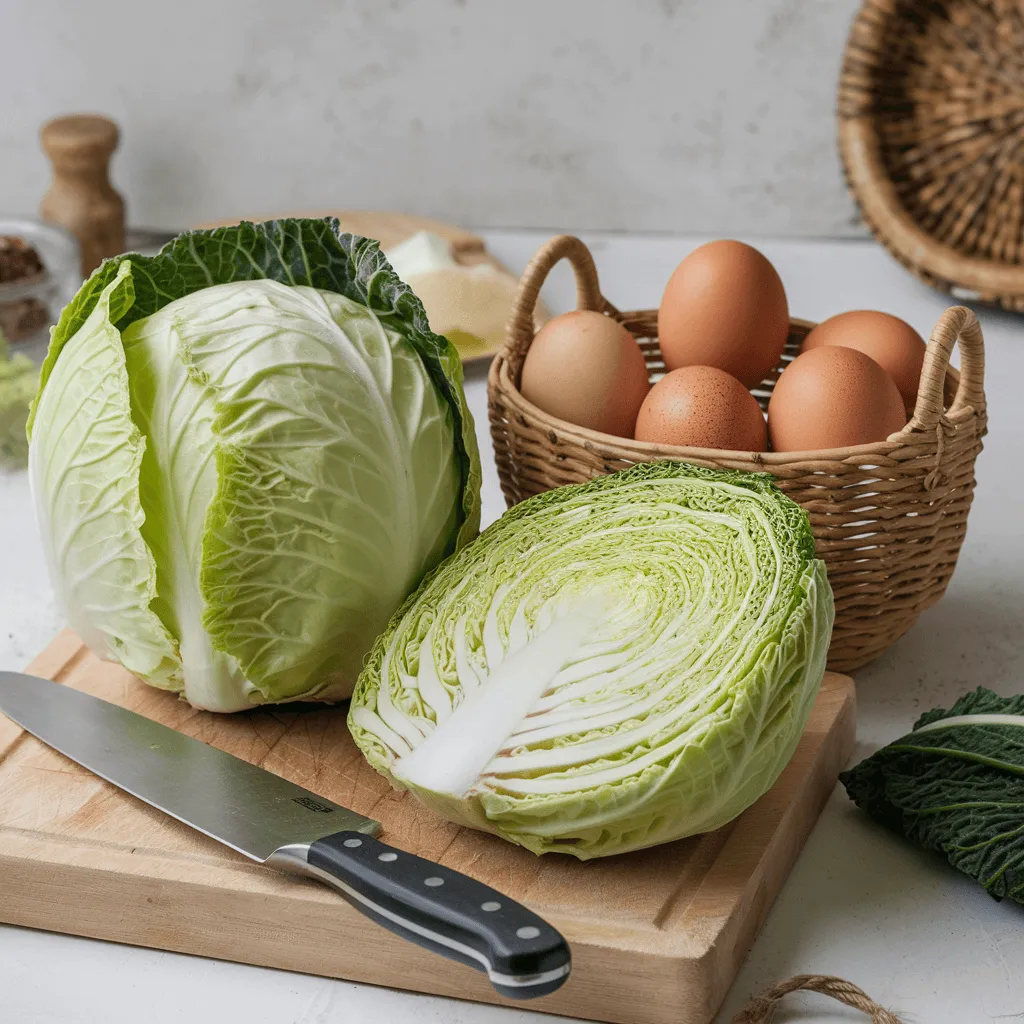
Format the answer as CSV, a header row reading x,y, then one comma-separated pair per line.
x,y
657,936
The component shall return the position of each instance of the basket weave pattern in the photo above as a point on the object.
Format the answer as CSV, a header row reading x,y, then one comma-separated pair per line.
x,y
888,518
931,135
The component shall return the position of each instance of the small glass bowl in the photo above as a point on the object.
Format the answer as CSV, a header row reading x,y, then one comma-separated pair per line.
x,y
28,308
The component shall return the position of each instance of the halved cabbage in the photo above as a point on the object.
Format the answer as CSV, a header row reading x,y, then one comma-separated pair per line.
x,y
609,666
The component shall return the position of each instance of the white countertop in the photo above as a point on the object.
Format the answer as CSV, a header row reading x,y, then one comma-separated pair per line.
x,y
860,903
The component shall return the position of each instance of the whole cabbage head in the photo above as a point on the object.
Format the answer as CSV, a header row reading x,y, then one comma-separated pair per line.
x,y
609,666
245,452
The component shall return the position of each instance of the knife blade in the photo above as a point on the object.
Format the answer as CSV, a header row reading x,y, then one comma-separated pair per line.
x,y
275,822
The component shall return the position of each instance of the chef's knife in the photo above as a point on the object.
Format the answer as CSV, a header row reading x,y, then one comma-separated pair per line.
x,y
275,822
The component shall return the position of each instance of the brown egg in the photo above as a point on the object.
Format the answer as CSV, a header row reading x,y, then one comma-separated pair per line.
x,y
586,368
702,407
724,306
891,342
832,397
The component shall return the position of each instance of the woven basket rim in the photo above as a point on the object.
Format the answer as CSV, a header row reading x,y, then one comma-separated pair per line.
x,y
957,324
607,442
860,153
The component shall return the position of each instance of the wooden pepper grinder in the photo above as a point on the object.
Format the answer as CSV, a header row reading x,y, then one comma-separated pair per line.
x,y
81,198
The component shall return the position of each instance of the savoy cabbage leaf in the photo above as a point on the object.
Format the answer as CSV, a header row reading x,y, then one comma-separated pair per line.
x,y
955,785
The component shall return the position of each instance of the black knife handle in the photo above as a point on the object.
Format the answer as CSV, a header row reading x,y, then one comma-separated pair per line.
x,y
446,912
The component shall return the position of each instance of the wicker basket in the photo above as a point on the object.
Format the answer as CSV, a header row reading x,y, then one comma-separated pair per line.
x,y
888,518
931,136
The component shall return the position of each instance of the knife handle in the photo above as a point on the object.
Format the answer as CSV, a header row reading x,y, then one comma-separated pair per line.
x,y
439,909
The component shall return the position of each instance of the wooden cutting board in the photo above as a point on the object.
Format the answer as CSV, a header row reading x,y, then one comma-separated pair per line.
x,y
657,936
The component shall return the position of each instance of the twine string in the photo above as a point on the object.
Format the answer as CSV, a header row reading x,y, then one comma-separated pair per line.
x,y
762,1009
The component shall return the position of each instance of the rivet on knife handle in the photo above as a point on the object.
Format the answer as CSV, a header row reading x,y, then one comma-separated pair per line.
x,y
440,909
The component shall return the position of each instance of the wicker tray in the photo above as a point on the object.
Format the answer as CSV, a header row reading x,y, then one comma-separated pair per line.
x,y
931,136
888,518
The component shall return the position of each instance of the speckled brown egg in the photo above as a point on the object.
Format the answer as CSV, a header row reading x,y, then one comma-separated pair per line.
x,y
832,397
586,368
890,341
702,407
724,306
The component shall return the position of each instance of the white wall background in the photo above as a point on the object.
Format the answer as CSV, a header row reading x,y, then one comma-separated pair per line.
x,y
678,115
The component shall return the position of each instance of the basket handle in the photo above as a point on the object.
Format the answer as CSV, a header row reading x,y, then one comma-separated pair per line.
x,y
588,293
957,324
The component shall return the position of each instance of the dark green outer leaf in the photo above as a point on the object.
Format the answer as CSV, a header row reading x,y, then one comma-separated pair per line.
x,y
296,252
957,791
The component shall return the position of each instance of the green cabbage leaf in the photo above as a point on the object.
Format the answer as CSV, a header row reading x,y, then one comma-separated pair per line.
x,y
609,666
955,785
245,452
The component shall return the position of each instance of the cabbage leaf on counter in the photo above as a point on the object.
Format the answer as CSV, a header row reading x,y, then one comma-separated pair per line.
x,y
955,785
